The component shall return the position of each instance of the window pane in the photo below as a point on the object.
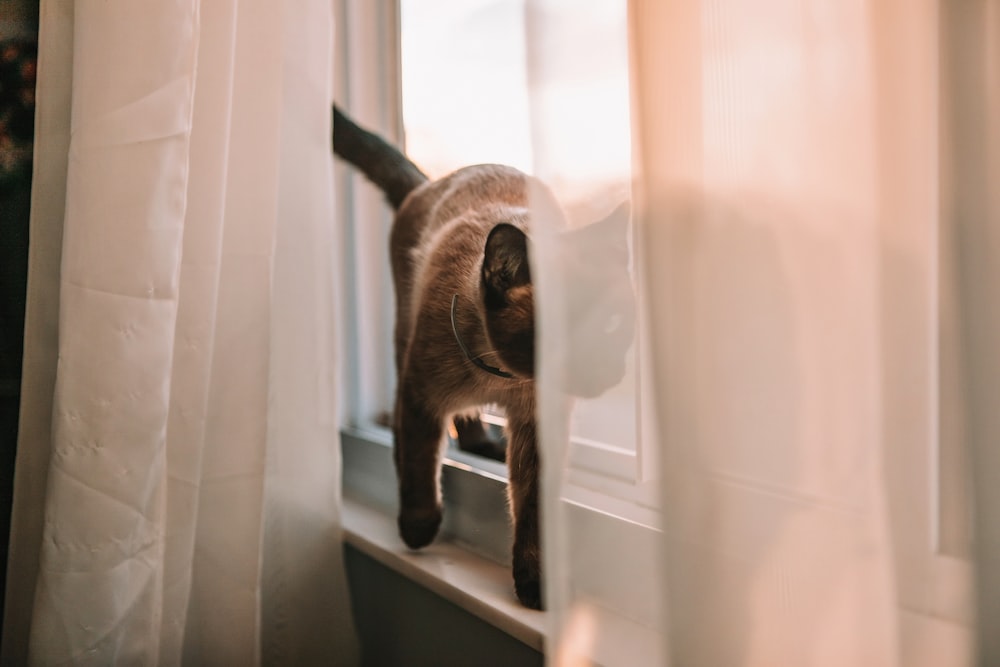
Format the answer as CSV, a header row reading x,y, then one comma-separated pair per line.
x,y
466,91
465,94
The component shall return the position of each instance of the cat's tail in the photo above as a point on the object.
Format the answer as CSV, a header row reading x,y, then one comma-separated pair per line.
x,y
381,162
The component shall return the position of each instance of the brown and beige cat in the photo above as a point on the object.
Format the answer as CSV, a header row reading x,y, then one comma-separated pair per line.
x,y
465,326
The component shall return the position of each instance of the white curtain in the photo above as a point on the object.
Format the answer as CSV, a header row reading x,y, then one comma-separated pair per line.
x,y
177,479
811,178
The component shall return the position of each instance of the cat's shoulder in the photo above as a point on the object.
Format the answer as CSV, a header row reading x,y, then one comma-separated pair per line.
x,y
469,188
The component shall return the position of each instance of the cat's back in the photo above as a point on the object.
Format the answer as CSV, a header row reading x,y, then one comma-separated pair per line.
x,y
480,184
468,201
469,188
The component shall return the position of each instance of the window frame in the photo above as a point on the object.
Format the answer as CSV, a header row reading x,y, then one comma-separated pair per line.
x,y
369,51
935,587
922,450
367,84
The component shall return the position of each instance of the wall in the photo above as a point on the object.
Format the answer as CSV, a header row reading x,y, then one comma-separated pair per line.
x,y
402,623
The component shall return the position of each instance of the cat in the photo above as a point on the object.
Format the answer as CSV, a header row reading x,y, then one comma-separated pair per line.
x,y
465,327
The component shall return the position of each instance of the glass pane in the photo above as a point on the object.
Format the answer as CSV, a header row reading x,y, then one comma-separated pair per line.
x,y
465,93
465,100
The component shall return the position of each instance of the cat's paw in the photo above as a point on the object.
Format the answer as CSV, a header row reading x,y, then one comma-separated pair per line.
x,y
490,449
528,583
418,528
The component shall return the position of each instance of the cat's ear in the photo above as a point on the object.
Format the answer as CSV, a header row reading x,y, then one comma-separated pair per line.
x,y
610,233
505,263
605,240
616,222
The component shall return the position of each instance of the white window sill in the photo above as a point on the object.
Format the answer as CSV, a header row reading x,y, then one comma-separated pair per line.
x,y
473,583
469,563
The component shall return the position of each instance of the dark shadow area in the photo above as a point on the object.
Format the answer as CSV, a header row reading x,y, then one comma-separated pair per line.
x,y
402,623
18,62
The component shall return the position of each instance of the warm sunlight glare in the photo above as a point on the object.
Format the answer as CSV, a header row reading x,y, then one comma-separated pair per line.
x,y
466,81
471,94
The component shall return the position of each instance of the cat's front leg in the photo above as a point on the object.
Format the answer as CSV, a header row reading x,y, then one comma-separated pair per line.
x,y
417,445
474,438
523,466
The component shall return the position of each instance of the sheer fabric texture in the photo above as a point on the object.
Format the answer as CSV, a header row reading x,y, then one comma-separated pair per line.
x,y
178,465
811,339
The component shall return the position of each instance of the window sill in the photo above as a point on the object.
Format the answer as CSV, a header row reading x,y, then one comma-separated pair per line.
x,y
469,563
473,583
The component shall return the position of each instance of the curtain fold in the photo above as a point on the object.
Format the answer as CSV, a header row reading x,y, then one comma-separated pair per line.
x,y
812,247
768,386
178,472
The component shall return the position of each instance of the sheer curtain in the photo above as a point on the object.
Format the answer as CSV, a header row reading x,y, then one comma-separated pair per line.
x,y
814,211
177,479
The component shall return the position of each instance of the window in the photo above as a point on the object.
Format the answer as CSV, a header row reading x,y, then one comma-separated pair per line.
x,y
463,98
464,84
467,91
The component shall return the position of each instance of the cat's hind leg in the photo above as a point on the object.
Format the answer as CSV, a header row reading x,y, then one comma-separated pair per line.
x,y
418,437
474,438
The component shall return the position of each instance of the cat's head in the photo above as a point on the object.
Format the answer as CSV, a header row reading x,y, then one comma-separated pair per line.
x,y
598,305
596,308
509,299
